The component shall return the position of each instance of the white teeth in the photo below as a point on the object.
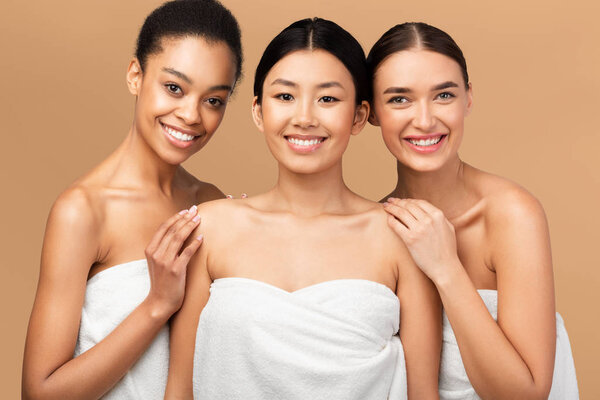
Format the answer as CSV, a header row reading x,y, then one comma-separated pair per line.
x,y
426,142
178,135
300,142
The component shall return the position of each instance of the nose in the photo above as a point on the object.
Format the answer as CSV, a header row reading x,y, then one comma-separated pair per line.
x,y
423,118
189,112
304,115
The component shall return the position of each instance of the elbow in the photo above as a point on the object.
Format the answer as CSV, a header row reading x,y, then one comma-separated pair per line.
x,y
531,391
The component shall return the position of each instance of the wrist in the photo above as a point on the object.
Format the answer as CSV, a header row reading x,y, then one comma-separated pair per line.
x,y
157,310
448,275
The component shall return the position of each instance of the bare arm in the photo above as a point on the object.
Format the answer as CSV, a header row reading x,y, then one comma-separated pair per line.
x,y
420,329
70,248
184,326
514,357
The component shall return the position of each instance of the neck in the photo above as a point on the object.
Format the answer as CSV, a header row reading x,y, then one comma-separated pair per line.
x,y
142,167
310,195
443,188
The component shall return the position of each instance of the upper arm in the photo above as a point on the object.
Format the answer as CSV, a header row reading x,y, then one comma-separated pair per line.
x,y
70,248
420,326
522,259
185,322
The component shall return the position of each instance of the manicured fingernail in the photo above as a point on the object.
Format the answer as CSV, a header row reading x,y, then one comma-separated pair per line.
x,y
193,209
385,203
244,195
199,237
183,212
196,218
229,196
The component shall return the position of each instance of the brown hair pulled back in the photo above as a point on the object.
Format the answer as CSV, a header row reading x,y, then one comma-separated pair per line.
x,y
415,35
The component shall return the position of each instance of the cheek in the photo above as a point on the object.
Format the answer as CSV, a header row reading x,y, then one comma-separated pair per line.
x,y
453,118
211,119
392,124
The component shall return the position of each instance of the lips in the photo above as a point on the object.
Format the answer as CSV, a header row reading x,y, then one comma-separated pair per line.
x,y
304,143
181,138
426,143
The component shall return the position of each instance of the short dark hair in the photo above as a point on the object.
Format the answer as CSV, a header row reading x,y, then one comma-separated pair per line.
x,y
311,34
416,35
207,19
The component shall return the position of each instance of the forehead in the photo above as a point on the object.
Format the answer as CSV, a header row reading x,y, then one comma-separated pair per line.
x,y
195,57
310,66
417,67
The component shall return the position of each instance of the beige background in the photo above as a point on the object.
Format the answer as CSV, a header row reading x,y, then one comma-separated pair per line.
x,y
535,67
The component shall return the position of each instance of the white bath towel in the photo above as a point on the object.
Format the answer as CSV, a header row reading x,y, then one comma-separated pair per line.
x,y
110,296
332,340
454,383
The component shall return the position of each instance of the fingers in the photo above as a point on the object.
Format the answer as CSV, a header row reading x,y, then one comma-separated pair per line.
x,y
190,250
397,226
162,230
243,196
400,212
181,235
177,234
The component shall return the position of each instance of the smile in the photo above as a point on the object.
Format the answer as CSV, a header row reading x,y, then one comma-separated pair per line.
x,y
179,139
426,142
306,143
178,135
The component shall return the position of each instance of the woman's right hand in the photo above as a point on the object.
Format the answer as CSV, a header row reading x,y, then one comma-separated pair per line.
x,y
168,258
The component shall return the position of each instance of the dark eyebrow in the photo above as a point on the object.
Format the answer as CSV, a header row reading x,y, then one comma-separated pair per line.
x,y
220,87
330,84
396,90
445,85
441,86
178,74
324,85
283,82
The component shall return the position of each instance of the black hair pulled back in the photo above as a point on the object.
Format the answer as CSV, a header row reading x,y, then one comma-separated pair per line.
x,y
311,34
207,19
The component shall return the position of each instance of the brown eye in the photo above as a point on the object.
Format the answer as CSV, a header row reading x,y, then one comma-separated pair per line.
x,y
285,97
328,99
215,102
173,88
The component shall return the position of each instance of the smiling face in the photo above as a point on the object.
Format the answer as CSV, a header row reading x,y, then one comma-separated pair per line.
x,y
308,111
181,95
420,102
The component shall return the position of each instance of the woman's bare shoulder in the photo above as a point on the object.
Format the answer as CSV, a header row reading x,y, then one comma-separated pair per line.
x,y
506,204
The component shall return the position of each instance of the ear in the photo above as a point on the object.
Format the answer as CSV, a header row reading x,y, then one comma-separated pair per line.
x,y
373,120
360,117
469,99
257,114
134,77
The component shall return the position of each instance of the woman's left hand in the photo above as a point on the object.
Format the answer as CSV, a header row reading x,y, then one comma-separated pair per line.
x,y
428,235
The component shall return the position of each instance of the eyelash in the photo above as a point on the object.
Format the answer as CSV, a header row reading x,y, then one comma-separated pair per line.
x,y
289,97
218,103
404,100
173,88
284,97
398,100
450,96
330,99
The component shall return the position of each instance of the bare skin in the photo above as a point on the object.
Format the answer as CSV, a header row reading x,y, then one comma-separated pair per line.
x,y
116,213
468,230
314,227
